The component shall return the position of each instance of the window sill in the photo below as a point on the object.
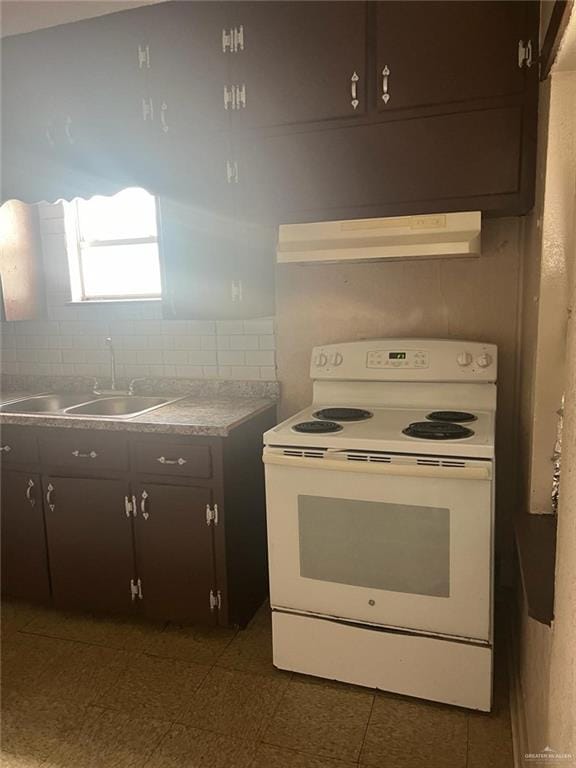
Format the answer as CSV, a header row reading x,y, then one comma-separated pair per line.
x,y
92,302
536,544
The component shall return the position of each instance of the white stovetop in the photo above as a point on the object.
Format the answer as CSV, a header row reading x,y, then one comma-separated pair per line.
x,y
383,432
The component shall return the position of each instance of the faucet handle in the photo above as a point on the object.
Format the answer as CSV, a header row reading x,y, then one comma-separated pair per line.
x,y
133,382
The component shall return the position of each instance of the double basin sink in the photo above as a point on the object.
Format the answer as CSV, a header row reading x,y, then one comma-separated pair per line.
x,y
119,406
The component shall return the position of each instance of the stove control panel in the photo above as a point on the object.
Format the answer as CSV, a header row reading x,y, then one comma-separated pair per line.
x,y
393,359
397,358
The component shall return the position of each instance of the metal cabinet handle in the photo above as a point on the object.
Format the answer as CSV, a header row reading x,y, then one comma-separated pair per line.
x,y
144,57
239,38
354,90
68,129
143,505
163,460
524,53
385,91
31,500
136,589
229,97
49,492
5,448
147,109
241,96
226,40
163,110
233,40
79,455
232,171
49,136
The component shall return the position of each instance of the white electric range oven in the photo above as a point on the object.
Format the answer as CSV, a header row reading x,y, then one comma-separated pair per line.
x,y
380,520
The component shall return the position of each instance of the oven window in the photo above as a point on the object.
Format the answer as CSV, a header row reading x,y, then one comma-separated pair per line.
x,y
394,547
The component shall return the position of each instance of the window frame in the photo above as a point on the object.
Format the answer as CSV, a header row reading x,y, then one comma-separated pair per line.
x,y
74,245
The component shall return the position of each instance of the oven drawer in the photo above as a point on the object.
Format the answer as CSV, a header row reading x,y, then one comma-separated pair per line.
x,y
172,458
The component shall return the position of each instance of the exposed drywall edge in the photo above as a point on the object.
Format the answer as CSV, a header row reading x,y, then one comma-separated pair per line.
x,y
566,54
517,709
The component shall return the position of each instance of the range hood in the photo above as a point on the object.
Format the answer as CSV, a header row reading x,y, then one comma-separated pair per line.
x,y
438,235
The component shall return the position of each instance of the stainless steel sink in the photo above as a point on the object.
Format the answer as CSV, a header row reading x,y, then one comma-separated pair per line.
x,y
129,405
44,403
119,406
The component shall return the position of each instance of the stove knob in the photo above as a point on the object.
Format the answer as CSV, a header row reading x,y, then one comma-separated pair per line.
x,y
464,359
336,359
321,360
484,360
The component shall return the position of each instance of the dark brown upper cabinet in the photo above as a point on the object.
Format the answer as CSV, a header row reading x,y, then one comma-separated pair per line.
x,y
295,62
156,96
388,168
29,170
431,53
186,69
102,92
214,266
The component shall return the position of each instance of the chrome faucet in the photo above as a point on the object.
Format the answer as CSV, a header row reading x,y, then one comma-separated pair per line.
x,y
110,346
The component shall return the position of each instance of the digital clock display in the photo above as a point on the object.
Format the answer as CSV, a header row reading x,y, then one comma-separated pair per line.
x,y
397,355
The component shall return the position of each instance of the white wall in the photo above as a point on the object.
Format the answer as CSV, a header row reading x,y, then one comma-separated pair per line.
x,y
547,655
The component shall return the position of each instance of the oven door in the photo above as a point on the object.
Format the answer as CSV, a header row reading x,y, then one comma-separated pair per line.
x,y
391,540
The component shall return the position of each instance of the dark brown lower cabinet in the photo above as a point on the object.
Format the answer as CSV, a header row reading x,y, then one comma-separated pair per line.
x,y
170,526
174,552
25,562
90,543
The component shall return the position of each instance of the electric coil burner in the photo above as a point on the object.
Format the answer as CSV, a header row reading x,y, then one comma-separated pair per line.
x,y
342,414
437,430
455,416
317,427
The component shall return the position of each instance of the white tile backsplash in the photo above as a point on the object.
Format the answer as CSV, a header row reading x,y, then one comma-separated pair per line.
x,y
72,340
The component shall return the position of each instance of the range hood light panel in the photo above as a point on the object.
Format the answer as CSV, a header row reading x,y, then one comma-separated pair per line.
x,y
443,235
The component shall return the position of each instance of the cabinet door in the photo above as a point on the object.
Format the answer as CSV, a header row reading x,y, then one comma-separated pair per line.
x,y
90,543
22,289
392,168
25,567
196,246
440,52
296,62
174,552
29,138
104,101
187,70
220,276
253,272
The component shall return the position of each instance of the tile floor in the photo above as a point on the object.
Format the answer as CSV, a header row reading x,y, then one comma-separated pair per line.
x,y
79,692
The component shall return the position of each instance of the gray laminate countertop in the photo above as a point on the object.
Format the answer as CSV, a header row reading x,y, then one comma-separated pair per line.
x,y
207,417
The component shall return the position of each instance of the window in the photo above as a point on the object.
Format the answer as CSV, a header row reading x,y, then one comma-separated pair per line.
x,y
113,247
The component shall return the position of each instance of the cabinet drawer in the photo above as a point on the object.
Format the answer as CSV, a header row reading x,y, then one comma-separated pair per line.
x,y
18,446
172,458
84,450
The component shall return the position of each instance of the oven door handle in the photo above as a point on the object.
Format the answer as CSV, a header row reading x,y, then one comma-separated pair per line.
x,y
477,472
